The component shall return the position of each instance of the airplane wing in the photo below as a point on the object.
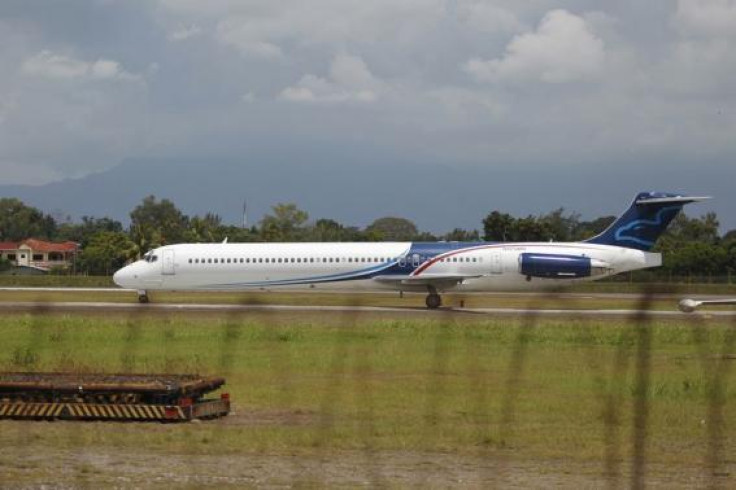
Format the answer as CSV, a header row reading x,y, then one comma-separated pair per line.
x,y
441,281
688,305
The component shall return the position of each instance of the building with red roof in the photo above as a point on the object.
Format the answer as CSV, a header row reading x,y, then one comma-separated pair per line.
x,y
39,254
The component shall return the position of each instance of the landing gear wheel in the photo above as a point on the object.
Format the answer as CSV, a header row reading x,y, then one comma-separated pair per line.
x,y
433,301
143,298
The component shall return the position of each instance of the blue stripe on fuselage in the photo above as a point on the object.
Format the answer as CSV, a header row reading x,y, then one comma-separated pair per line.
x,y
418,253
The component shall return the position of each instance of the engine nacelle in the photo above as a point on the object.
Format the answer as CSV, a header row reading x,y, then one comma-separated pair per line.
x,y
555,266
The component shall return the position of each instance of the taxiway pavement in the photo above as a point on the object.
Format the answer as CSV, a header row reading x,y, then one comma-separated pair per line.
x,y
81,306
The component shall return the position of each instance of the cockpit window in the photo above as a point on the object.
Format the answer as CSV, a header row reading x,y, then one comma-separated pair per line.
x,y
149,257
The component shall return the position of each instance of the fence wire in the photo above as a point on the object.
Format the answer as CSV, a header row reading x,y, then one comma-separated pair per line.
x,y
348,431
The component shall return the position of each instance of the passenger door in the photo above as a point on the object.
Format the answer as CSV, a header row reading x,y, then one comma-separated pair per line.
x,y
167,262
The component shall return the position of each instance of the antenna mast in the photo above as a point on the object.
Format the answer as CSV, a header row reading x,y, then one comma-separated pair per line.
x,y
245,213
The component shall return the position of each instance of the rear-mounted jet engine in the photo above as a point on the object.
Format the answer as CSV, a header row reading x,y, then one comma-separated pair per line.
x,y
554,266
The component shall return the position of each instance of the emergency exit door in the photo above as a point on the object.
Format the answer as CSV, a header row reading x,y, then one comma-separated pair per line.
x,y
496,264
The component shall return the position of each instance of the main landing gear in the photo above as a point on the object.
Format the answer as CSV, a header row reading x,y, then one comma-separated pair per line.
x,y
434,300
143,297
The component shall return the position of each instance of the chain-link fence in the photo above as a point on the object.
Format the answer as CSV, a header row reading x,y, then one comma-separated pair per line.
x,y
378,391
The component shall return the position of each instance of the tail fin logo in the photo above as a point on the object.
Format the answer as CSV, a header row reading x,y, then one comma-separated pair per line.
x,y
633,231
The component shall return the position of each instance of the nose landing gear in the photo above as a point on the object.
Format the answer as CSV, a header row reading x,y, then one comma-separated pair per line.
x,y
143,297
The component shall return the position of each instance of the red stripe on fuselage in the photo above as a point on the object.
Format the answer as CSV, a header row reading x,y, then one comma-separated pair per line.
x,y
427,264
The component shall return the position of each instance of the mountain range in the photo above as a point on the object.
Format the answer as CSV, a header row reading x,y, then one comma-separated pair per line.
x,y
436,197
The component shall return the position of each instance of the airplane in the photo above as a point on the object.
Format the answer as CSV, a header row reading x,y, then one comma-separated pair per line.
x,y
431,267
689,305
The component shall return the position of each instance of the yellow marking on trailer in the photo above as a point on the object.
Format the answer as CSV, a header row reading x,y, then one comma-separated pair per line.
x,y
149,412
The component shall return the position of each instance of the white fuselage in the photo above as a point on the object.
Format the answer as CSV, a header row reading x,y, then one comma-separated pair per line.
x,y
452,266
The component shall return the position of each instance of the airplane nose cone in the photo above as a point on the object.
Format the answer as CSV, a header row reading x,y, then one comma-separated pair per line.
x,y
122,277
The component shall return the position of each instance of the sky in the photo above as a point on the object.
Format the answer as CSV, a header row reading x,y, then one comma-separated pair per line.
x,y
538,86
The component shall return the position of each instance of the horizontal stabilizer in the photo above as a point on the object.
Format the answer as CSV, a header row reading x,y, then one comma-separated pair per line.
x,y
675,199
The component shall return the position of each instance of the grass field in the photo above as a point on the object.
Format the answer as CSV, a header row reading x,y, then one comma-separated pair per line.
x,y
335,398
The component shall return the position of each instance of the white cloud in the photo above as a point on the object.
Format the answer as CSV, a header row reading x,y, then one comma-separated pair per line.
x,y
562,49
701,59
46,64
349,81
183,32
247,37
707,18
486,17
274,30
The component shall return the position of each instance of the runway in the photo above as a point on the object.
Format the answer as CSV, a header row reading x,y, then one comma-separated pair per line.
x,y
490,294
28,306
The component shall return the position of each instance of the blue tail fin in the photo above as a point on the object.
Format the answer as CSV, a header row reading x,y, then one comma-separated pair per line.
x,y
646,219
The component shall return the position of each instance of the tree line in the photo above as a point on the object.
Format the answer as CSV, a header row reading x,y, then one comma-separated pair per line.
x,y
690,246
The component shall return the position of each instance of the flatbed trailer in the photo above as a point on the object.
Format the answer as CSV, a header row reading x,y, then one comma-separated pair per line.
x,y
122,397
